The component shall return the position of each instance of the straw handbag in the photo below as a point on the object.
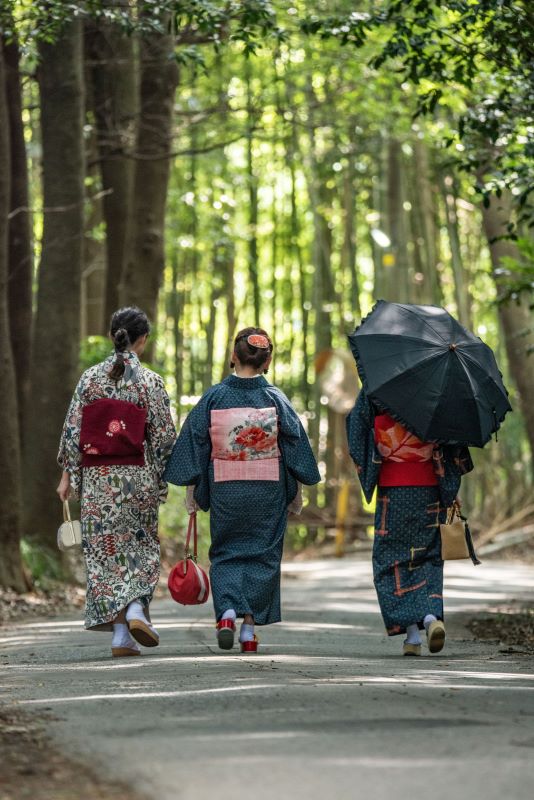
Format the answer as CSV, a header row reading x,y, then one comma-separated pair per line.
x,y
70,532
456,541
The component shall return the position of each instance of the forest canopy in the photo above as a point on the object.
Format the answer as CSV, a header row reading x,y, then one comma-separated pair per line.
x,y
222,164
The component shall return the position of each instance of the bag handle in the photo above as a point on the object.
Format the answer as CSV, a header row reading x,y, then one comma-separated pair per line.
x,y
191,528
453,511
66,512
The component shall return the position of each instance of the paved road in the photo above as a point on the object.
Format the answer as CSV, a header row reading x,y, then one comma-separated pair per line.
x,y
328,709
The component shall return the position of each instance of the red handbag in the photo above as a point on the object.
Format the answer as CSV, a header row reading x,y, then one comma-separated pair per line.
x,y
188,583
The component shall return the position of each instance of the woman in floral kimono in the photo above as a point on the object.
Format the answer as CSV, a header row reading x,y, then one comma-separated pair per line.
x,y
417,481
117,437
243,453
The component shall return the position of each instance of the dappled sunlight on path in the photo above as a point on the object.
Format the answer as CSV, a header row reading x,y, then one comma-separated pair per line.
x,y
327,701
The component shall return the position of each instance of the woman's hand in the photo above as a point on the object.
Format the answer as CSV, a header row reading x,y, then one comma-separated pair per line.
x,y
63,489
191,504
458,501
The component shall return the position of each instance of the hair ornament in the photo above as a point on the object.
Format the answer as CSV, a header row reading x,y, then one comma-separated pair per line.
x,y
258,340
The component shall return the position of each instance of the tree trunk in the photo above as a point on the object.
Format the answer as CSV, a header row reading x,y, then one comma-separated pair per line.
x,y
424,209
396,260
55,352
516,317
110,56
11,572
177,302
461,288
146,238
348,252
93,277
20,257
252,204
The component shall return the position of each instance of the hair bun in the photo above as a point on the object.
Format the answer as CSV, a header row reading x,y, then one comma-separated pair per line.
x,y
121,339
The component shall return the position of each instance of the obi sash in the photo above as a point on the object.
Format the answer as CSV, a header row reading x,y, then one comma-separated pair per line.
x,y
112,432
244,444
406,460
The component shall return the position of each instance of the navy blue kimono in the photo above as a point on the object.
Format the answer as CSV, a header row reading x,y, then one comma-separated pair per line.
x,y
245,466
407,564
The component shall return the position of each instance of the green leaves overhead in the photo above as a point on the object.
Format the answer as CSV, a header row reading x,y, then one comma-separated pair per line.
x,y
482,51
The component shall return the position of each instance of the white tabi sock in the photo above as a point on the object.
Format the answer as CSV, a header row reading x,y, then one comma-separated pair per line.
x,y
229,614
412,634
122,638
246,634
428,620
136,611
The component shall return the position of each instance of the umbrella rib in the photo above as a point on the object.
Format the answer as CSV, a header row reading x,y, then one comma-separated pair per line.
x,y
473,388
463,354
411,311
416,389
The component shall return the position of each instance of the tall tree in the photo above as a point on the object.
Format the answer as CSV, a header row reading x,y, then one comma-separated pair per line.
x,y
158,80
55,351
11,573
20,237
516,316
112,67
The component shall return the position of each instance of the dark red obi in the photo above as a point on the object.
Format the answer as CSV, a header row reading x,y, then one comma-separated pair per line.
x,y
112,432
406,460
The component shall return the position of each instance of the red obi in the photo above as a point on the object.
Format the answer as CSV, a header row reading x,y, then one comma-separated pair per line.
x,y
112,432
406,460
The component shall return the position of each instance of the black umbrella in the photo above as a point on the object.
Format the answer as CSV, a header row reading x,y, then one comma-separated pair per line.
x,y
438,379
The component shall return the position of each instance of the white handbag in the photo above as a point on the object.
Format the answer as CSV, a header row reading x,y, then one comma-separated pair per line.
x,y
70,532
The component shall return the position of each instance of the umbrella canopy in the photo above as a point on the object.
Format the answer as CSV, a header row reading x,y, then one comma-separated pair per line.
x,y
438,379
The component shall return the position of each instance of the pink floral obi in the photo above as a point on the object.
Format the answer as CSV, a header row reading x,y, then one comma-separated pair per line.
x,y
244,444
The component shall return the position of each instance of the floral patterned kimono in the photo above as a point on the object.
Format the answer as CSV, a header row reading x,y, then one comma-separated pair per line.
x,y
407,565
244,449
119,503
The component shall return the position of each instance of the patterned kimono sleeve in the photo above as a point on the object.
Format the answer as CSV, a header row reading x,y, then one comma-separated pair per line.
x,y
190,458
161,432
69,456
450,463
297,456
362,447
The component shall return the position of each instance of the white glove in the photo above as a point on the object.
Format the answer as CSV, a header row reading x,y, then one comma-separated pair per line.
x,y
190,503
295,506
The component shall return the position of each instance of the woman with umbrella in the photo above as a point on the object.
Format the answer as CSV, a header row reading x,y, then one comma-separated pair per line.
x,y
430,389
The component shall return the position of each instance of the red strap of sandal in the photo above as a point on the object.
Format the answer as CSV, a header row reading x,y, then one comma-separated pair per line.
x,y
225,623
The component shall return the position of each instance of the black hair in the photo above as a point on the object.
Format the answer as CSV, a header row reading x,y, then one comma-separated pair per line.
x,y
127,325
247,353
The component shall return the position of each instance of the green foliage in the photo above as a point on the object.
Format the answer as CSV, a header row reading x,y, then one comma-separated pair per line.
x,y
43,565
483,49
94,349
516,276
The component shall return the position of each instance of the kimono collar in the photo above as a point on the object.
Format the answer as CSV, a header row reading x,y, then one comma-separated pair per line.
x,y
132,367
258,382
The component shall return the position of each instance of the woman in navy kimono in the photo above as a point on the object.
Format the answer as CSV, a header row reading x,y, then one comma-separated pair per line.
x,y
417,481
244,453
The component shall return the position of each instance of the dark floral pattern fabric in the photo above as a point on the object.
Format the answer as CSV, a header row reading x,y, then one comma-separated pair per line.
x,y
119,503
